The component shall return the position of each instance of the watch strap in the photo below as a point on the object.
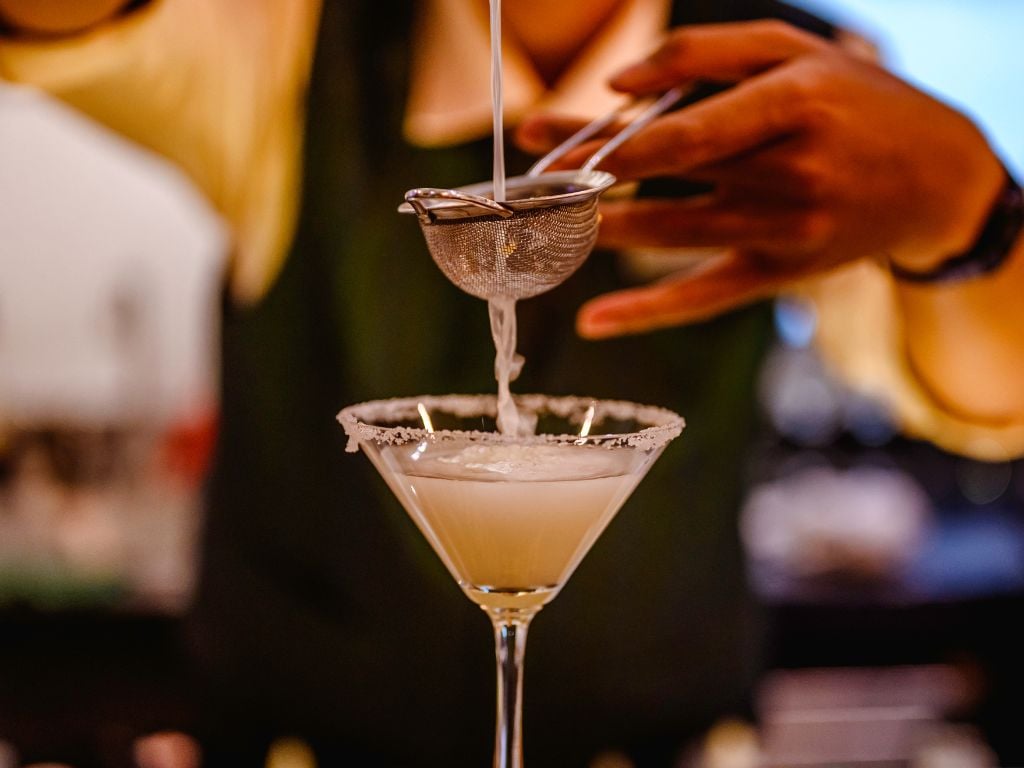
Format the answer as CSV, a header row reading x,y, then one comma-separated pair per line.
x,y
992,248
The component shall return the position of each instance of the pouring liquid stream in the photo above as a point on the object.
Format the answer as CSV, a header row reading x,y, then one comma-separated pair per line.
x,y
497,102
507,363
502,310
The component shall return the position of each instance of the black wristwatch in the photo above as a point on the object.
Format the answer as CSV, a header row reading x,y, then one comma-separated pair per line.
x,y
991,249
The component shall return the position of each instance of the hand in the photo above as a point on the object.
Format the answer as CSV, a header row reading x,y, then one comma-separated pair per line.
x,y
816,158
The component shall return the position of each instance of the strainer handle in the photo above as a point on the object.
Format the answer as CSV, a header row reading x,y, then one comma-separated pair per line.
x,y
641,121
591,129
584,133
415,198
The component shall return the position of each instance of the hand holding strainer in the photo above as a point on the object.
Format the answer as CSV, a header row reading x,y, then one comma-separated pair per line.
x,y
538,236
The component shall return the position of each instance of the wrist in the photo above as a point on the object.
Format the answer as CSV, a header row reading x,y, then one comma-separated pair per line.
x,y
986,252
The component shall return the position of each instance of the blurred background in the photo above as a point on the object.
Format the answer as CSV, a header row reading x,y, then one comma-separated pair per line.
x,y
962,52
888,570
108,380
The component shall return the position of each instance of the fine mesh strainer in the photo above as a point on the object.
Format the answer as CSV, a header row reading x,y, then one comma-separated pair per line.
x,y
539,234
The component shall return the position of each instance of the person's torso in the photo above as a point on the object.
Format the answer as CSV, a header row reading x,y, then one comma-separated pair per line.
x,y
647,641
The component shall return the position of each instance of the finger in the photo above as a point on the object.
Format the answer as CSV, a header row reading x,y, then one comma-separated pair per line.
x,y
703,222
785,170
731,283
754,113
717,52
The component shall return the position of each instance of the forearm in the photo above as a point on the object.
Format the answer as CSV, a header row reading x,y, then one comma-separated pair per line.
x,y
57,17
965,341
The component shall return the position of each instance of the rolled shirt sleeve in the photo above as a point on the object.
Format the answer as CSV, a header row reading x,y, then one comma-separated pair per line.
x,y
861,337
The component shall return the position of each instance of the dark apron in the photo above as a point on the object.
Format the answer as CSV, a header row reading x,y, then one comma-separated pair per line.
x,y
321,610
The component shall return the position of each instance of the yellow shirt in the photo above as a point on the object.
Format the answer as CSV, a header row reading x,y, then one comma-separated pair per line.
x,y
217,88
860,335
450,90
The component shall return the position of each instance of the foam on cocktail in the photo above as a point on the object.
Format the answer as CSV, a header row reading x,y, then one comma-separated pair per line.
x,y
507,364
525,463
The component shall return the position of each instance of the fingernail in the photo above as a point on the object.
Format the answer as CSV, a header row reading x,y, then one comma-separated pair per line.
x,y
593,327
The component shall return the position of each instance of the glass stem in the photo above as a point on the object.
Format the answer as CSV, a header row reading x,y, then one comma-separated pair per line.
x,y
510,628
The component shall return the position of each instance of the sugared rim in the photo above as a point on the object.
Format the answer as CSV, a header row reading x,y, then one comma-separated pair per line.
x,y
361,421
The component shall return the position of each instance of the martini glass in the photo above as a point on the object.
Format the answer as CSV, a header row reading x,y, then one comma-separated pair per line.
x,y
511,516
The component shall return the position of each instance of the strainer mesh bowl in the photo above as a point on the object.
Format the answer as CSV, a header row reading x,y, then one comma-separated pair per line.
x,y
530,242
520,256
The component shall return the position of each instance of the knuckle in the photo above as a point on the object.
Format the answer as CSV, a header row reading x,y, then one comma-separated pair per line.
x,y
807,82
813,228
774,28
813,110
814,77
810,178
781,33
